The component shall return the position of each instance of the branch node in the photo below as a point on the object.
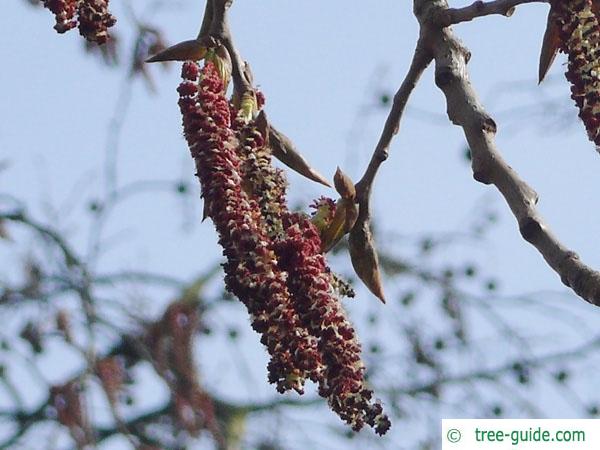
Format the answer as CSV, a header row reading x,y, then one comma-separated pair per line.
x,y
584,282
444,76
530,228
489,125
482,174
466,54
565,271
383,155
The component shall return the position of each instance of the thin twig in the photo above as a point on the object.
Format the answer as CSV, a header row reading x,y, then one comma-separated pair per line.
x,y
421,60
219,29
206,20
494,373
453,16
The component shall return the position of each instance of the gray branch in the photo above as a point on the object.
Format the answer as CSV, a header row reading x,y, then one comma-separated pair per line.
x,y
465,110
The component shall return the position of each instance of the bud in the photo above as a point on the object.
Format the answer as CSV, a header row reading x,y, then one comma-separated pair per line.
x,y
344,185
284,150
364,258
192,50
248,106
219,56
346,213
550,45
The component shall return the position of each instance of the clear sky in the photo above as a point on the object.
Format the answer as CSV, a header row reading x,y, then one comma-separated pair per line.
x,y
321,66
318,64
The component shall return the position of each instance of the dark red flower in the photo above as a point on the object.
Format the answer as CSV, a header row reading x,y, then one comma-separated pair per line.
x,y
64,12
91,17
95,20
321,312
68,402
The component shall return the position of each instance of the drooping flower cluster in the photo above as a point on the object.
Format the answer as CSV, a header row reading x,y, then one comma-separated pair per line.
x,y
64,12
322,314
274,260
580,39
91,17
68,403
251,269
95,20
310,282
111,373
170,341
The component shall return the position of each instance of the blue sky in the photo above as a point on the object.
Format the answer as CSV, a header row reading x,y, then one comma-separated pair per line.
x,y
318,66
321,66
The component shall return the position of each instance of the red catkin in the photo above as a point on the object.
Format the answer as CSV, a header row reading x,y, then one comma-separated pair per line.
x,y
580,40
251,269
64,13
321,312
95,20
91,17
274,263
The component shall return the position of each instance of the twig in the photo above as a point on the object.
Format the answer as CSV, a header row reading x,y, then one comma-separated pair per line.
x,y
71,260
495,372
206,20
25,422
219,29
421,60
453,16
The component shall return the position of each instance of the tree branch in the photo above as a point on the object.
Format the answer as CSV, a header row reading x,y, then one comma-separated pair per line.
x,y
493,373
282,147
465,110
219,29
70,257
452,16
206,20
421,59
